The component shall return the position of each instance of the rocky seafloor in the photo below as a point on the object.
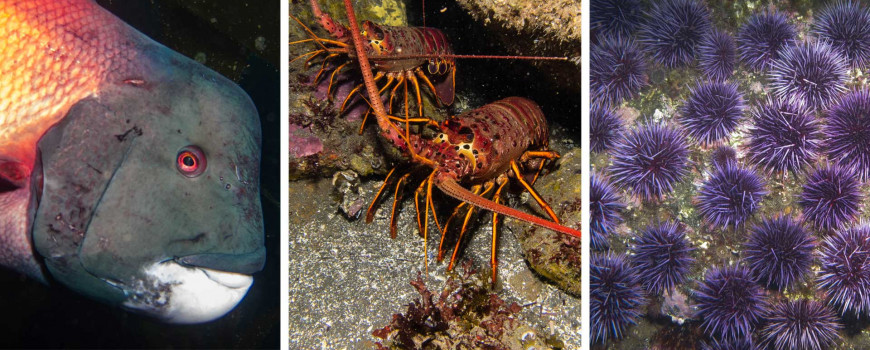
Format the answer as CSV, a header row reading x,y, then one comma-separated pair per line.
x,y
685,317
351,285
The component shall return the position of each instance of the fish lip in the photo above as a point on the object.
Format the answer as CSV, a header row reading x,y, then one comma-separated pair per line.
x,y
244,263
181,294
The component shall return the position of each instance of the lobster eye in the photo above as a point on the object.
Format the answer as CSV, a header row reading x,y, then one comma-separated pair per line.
x,y
432,67
372,31
190,161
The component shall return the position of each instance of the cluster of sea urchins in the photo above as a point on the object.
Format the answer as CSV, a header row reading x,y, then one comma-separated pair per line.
x,y
769,171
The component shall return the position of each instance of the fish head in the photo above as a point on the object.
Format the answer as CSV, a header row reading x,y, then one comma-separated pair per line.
x,y
148,191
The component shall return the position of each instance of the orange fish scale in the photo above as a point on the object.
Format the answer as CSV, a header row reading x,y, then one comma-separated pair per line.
x,y
54,53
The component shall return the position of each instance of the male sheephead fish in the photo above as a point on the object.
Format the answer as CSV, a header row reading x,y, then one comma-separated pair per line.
x,y
128,172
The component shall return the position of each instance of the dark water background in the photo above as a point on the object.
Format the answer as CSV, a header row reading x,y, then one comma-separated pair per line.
x,y
39,316
489,80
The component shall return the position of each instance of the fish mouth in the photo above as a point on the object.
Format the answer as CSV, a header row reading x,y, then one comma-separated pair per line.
x,y
182,294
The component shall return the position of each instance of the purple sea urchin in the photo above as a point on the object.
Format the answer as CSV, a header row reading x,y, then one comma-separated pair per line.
x,y
722,155
716,55
810,74
847,130
846,26
712,112
730,195
604,210
831,197
649,160
615,296
604,128
779,252
730,302
800,325
673,31
614,17
845,270
784,137
761,38
617,71
662,255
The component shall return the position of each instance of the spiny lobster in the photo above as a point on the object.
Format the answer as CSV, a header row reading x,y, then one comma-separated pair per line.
x,y
482,148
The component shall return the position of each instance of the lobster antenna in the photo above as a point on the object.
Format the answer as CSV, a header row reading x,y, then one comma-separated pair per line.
x,y
453,189
368,79
485,57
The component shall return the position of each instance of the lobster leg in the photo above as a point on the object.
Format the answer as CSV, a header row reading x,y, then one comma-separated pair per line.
x,y
425,79
312,54
399,82
356,90
320,41
332,80
547,155
366,116
363,124
534,193
396,199
384,88
428,82
323,68
370,213
429,200
407,124
446,225
493,262
417,206
426,220
441,250
343,48
540,167
489,186
417,90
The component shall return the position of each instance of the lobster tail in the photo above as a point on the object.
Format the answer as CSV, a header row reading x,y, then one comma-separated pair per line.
x,y
453,189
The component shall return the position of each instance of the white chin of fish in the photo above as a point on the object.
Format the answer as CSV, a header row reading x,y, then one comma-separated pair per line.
x,y
187,295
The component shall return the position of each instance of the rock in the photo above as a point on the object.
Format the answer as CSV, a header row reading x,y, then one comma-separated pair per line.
x,y
554,255
346,187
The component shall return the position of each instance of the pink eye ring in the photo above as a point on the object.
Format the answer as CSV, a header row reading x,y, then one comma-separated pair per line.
x,y
190,161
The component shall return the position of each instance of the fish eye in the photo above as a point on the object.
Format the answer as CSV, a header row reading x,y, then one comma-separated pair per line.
x,y
191,161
